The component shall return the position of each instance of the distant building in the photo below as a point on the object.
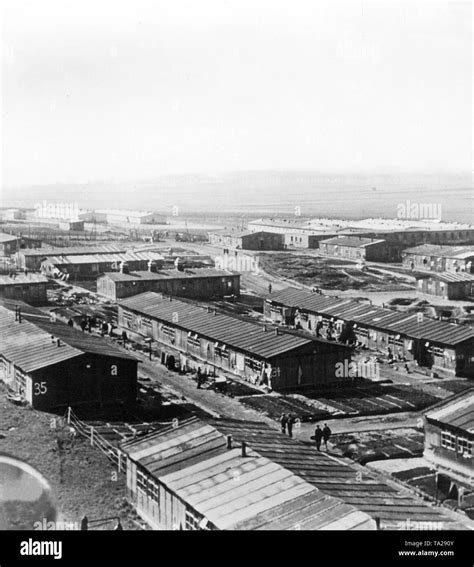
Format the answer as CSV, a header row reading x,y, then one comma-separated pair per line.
x,y
91,265
71,225
195,336
358,248
11,243
8,244
86,215
447,285
296,233
280,226
449,434
200,283
52,365
13,214
429,257
400,234
246,240
120,216
303,239
31,259
65,224
445,348
63,215
196,477
55,211
30,288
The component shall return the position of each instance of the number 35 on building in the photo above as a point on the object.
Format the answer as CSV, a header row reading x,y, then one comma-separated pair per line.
x,y
40,388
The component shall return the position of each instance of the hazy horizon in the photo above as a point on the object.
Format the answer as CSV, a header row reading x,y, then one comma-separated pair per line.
x,y
273,193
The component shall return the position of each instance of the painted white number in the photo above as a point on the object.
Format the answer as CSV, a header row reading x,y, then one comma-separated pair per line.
x,y
40,388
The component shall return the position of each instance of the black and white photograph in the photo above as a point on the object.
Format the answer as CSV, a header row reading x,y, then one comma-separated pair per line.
x,y
236,278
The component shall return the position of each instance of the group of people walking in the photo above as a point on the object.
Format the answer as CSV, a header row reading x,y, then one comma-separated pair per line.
x,y
287,421
322,435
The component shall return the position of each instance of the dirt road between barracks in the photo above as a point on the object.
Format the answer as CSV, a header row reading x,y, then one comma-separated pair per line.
x,y
223,406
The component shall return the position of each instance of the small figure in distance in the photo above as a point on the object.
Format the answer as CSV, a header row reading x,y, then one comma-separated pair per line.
x,y
318,436
289,425
326,435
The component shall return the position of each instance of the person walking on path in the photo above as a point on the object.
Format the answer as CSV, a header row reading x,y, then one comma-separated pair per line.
x,y
199,378
318,436
283,422
289,425
326,435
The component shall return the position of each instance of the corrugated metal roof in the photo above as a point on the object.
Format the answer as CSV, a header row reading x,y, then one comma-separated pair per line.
x,y
7,237
168,275
432,330
104,258
26,309
29,346
457,411
442,251
281,223
234,233
84,341
236,492
242,335
194,462
374,317
75,250
449,277
333,476
351,241
22,279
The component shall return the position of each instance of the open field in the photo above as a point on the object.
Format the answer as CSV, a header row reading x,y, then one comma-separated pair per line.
x,y
331,273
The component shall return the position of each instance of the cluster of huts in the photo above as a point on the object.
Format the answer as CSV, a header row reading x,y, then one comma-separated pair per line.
x,y
446,348
196,336
224,474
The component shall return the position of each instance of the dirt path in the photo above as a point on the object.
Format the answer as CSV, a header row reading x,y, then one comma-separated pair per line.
x,y
218,405
358,424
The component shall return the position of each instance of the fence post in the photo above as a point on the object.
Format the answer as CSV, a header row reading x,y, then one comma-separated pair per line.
x,y
69,415
92,435
119,455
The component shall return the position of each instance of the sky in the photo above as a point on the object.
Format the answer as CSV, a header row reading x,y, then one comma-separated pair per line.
x,y
127,90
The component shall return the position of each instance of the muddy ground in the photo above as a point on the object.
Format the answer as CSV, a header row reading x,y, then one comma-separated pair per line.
x,y
330,273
